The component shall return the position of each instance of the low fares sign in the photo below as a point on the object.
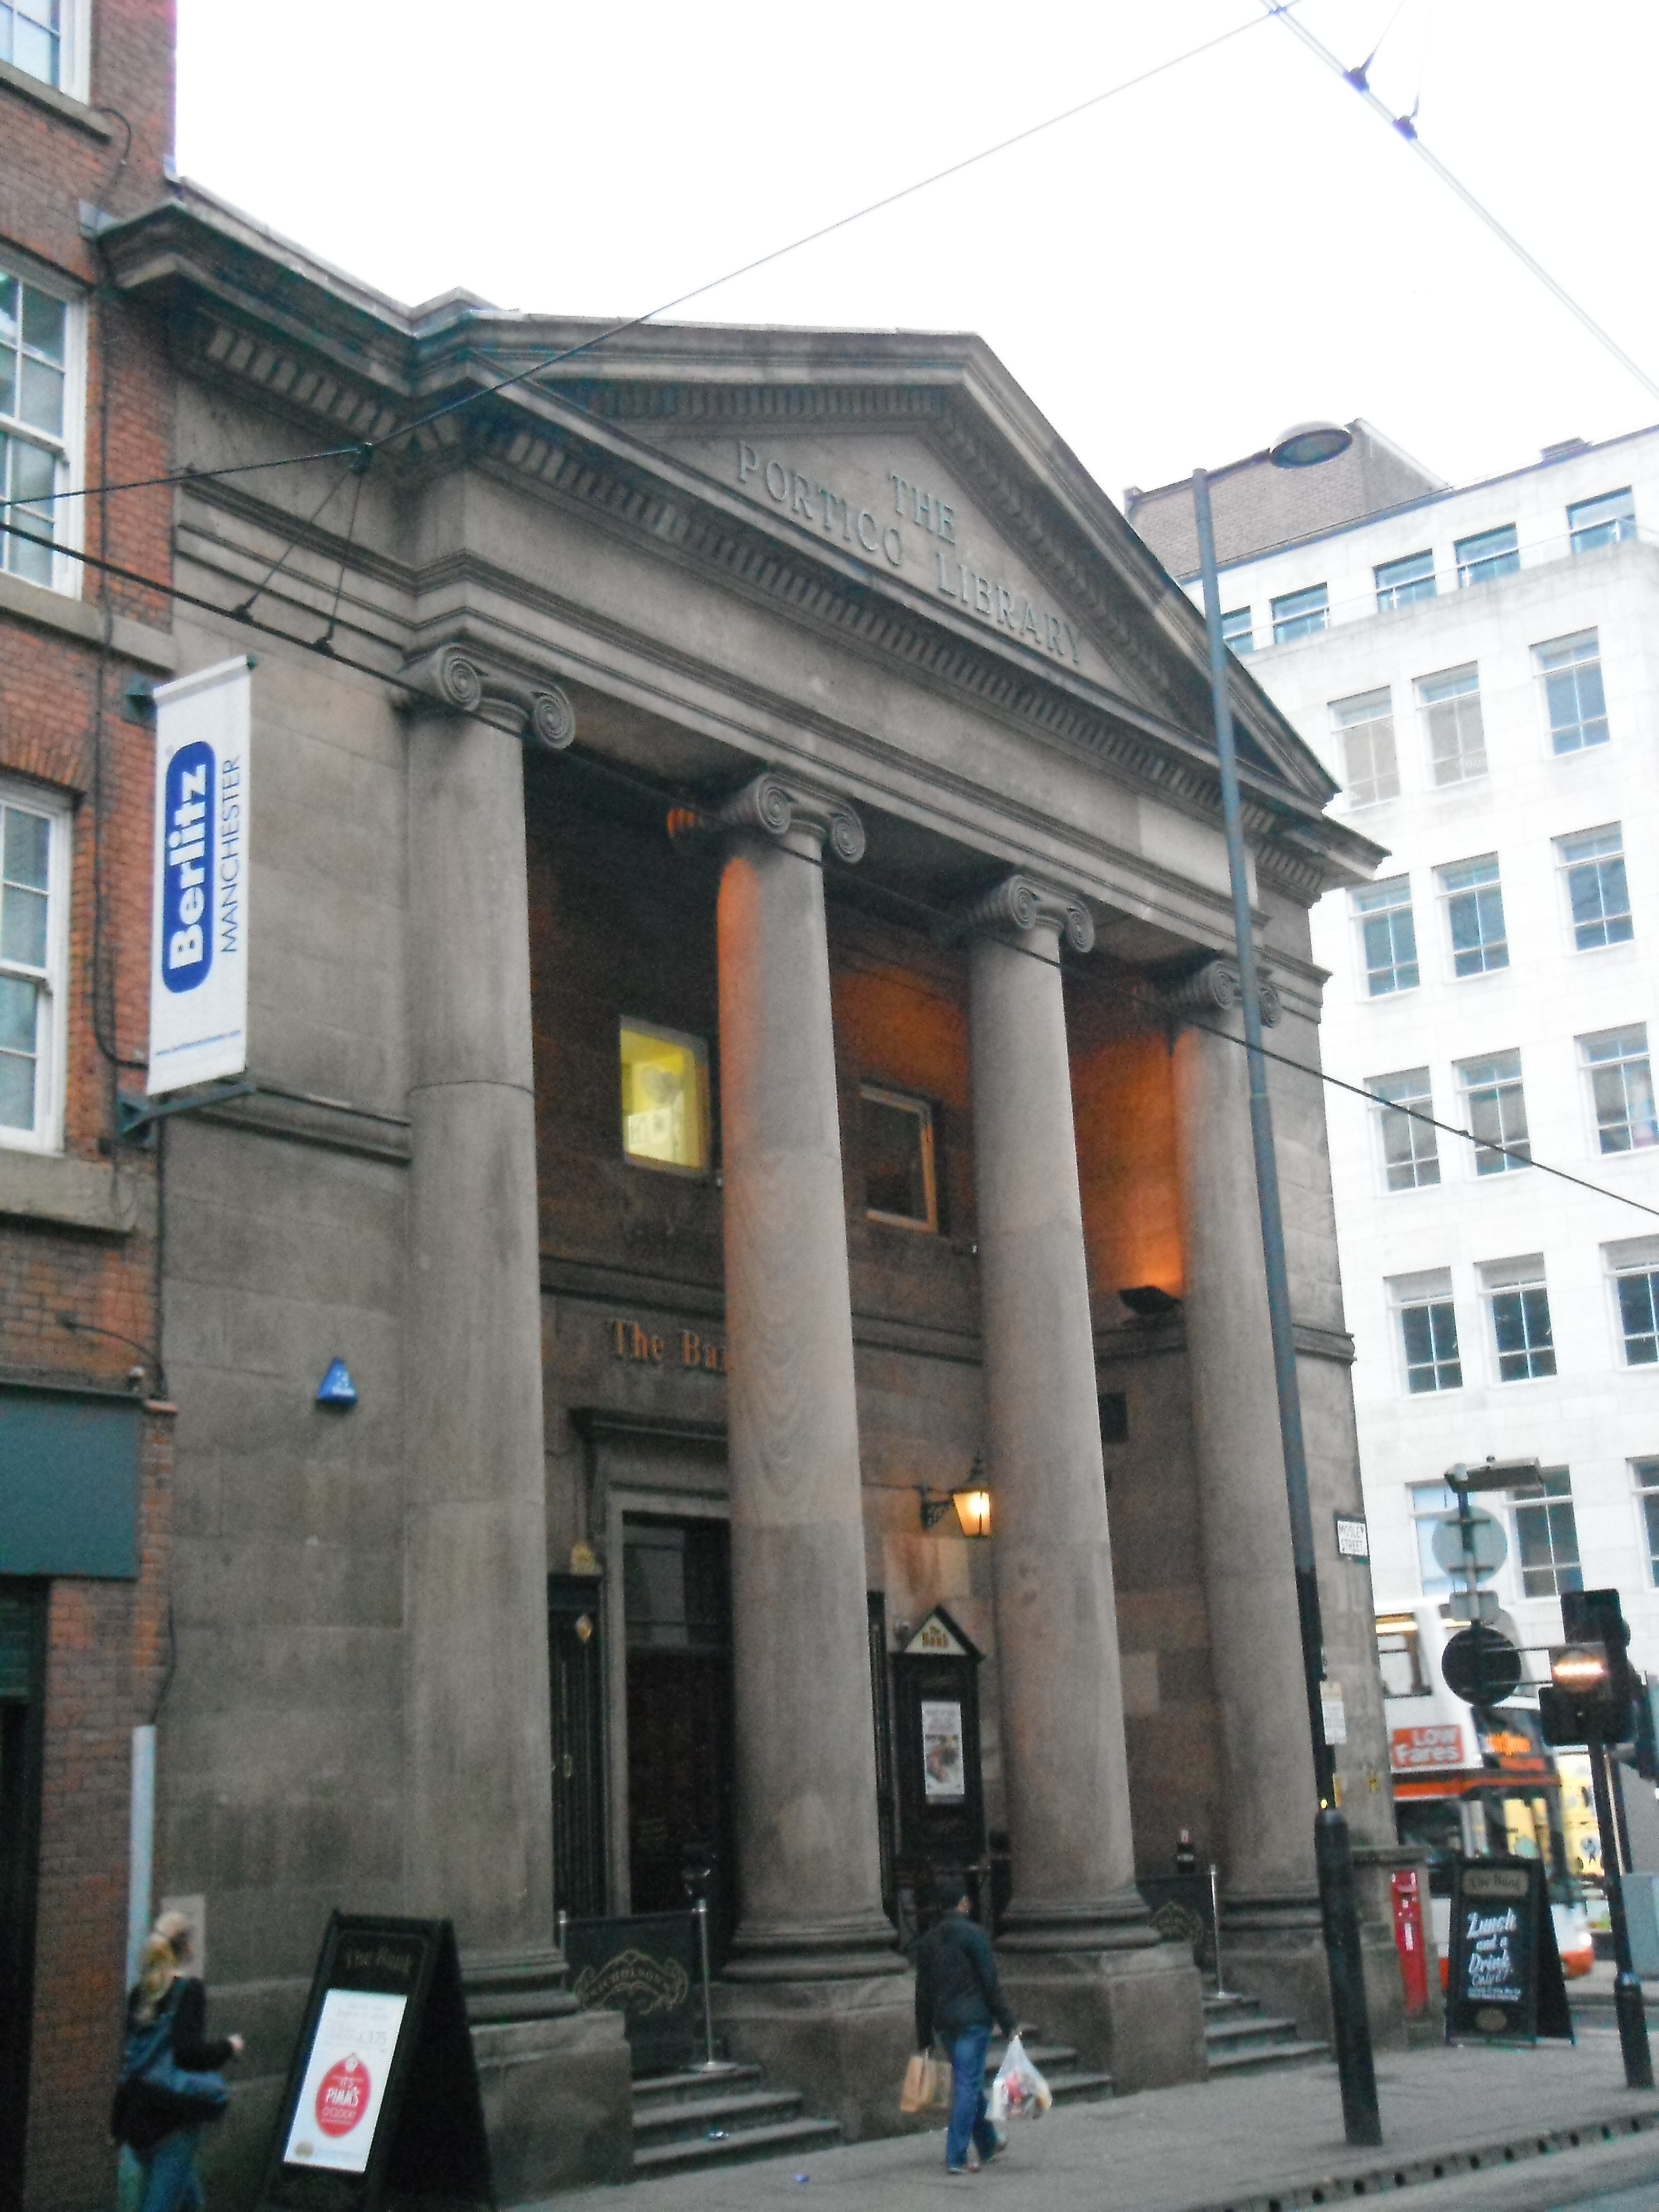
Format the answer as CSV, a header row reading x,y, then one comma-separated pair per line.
x,y
1413,1749
199,916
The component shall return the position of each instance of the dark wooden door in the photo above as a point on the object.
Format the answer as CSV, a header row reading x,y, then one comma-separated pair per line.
x,y
23,1640
575,1658
677,1601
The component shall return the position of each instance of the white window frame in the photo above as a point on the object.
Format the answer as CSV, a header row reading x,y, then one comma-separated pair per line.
x,y
1382,1106
1565,863
1630,1256
1466,1091
68,518
1427,1502
1404,1293
1421,688
52,1033
1542,670
921,1109
1349,720
1502,1279
1588,1064
74,52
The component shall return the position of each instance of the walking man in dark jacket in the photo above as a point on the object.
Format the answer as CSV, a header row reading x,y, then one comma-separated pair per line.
x,y
959,1994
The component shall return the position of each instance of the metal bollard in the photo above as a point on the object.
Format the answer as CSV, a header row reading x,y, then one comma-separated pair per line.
x,y
1221,1988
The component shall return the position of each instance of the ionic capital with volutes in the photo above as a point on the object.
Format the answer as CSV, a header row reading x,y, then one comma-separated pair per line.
x,y
1020,906
461,680
782,808
1218,988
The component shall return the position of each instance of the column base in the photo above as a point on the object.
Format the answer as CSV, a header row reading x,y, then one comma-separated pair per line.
x,y
1273,1948
856,1948
557,2087
841,2042
1134,2008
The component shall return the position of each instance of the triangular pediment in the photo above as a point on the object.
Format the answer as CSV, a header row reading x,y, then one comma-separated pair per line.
x,y
886,496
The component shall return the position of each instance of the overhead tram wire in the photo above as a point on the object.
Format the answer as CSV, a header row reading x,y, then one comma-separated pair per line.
x,y
1405,127
362,448
937,917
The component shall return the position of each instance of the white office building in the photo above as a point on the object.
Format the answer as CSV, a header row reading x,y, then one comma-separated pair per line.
x,y
1478,667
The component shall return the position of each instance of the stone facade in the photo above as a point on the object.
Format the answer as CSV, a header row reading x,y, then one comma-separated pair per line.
x,y
795,702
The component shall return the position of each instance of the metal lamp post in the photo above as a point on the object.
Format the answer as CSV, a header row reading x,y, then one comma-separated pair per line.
x,y
1304,446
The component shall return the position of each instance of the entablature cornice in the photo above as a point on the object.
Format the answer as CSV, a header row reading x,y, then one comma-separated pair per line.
x,y
339,355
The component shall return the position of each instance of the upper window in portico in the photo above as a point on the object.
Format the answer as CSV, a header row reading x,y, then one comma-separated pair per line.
x,y
900,1184
665,1098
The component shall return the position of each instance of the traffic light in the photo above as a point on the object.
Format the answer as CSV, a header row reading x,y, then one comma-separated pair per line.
x,y
1594,1693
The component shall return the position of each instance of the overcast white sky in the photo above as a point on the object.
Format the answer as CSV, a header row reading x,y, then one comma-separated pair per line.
x,y
1172,278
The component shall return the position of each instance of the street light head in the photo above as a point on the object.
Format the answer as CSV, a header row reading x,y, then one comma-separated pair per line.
x,y
1580,1669
1304,445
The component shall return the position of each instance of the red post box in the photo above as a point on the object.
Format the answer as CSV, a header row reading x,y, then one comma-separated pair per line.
x,y
1409,1939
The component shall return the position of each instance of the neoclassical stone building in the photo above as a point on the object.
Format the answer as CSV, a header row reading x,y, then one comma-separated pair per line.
x,y
735,897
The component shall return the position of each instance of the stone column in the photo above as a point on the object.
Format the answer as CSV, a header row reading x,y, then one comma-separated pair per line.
x,y
1272,1941
814,1986
1078,1948
478,1844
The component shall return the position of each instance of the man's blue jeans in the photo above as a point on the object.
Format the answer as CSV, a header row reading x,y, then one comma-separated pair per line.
x,y
968,2099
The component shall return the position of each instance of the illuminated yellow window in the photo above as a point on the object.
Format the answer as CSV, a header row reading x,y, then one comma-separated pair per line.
x,y
665,1098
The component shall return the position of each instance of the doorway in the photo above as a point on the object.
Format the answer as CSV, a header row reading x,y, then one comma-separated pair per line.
x,y
22,1668
576,1657
677,1605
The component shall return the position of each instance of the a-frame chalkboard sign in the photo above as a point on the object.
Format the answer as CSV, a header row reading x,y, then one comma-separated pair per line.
x,y
382,2096
1504,1981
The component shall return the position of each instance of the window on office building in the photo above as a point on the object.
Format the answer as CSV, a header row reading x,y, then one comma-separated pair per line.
x,y
1428,1331
1236,632
1495,1111
1519,1304
1546,1538
1571,669
34,954
36,405
1430,1503
1388,936
1365,727
1411,1157
1399,1660
1299,614
1474,915
1491,554
1621,1088
665,1098
1602,521
1450,704
899,1184
1598,890
1636,1285
1644,1473
1400,582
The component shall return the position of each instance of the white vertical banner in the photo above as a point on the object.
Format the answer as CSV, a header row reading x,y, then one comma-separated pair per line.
x,y
198,925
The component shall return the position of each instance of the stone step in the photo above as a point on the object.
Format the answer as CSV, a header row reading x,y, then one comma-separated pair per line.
x,y
787,2139
687,2119
1229,2007
1247,2032
1268,2058
652,2091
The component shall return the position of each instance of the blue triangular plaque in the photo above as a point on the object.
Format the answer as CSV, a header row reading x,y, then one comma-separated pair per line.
x,y
337,1387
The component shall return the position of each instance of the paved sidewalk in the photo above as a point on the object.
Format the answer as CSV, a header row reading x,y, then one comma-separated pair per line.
x,y
1270,2143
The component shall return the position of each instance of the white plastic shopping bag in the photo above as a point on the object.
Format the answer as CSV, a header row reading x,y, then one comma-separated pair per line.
x,y
1019,2091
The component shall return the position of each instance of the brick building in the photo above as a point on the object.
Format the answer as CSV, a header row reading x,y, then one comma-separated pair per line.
x,y
86,95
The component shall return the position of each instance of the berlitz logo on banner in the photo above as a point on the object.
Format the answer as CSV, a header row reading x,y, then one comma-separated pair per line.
x,y
198,929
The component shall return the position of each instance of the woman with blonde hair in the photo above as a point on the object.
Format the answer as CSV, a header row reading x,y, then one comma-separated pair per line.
x,y
170,2087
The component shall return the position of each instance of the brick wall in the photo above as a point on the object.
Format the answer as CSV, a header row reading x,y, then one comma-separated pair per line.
x,y
62,726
